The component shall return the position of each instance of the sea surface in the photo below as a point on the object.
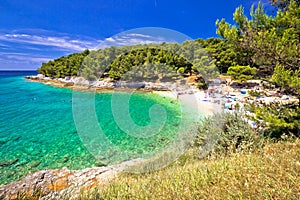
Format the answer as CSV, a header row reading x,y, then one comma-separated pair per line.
x,y
37,128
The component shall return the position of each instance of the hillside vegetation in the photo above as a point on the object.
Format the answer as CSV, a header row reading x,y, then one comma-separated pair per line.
x,y
268,173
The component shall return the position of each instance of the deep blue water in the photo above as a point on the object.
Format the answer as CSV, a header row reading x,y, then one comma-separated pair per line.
x,y
6,74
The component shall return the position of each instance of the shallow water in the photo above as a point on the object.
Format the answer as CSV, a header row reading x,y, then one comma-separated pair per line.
x,y
37,129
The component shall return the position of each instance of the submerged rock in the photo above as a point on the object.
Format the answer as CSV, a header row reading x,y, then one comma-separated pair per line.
x,y
16,138
6,163
69,84
35,164
21,164
3,141
65,158
100,164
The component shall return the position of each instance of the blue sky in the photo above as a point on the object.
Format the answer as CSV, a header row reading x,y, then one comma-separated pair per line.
x,y
35,31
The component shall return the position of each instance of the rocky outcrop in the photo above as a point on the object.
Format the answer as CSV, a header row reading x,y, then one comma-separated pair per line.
x,y
76,82
52,184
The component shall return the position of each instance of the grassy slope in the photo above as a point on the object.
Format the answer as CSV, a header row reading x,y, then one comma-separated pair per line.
x,y
270,173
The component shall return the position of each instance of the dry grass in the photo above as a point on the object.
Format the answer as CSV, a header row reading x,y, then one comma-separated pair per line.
x,y
269,173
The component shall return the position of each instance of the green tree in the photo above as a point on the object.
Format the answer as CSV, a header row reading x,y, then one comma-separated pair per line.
x,y
287,79
283,4
222,52
64,66
266,40
277,119
241,73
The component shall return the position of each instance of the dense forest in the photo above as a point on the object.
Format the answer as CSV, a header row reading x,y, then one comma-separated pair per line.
x,y
63,66
186,58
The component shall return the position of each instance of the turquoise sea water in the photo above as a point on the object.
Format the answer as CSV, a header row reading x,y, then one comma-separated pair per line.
x,y
37,129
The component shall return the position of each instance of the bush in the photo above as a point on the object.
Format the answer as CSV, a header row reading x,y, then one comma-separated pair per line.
x,y
287,79
227,133
241,73
255,93
277,119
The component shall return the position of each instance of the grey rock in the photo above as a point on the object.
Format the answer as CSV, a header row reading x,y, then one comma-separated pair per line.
x,y
53,184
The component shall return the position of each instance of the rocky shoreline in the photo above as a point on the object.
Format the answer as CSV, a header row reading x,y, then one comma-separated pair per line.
x,y
53,184
75,82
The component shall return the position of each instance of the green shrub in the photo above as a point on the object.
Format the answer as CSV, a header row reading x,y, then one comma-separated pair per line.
x,y
277,119
227,133
255,93
241,73
287,79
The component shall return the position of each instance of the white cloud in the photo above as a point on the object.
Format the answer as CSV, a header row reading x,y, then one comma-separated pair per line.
x,y
110,39
131,39
24,57
138,35
65,42
29,48
30,59
3,45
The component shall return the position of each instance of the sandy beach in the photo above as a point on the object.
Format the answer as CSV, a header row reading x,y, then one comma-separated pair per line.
x,y
203,107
